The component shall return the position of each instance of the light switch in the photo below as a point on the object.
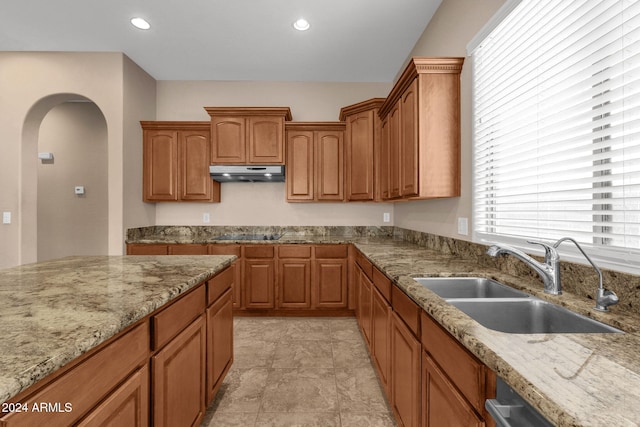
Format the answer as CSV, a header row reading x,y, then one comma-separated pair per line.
x,y
206,218
6,217
386,217
79,190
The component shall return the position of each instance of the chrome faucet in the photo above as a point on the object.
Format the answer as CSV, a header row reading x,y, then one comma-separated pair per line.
x,y
549,271
604,297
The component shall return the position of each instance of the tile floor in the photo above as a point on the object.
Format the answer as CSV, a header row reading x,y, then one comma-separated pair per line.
x,y
302,372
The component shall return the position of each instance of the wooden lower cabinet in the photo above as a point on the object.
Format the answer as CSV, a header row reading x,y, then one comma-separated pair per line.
x,y
294,283
178,373
219,342
128,405
330,283
365,290
147,249
381,337
259,281
443,405
405,374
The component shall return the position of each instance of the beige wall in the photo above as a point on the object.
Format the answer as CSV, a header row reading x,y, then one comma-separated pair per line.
x,y
264,203
455,23
31,83
70,224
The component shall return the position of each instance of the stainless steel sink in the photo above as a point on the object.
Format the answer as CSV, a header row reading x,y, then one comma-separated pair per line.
x,y
468,287
529,316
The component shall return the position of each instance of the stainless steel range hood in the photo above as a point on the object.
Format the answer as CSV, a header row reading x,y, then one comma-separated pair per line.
x,y
247,173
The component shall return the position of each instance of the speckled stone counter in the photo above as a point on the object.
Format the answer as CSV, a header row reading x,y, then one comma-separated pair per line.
x,y
55,311
573,379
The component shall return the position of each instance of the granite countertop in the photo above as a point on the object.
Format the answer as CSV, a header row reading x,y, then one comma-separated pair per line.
x,y
573,379
52,312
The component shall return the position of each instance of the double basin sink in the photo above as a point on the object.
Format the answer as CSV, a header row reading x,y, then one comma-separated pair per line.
x,y
502,308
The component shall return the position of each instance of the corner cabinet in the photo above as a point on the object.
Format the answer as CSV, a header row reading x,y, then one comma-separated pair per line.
x,y
248,135
421,131
176,162
315,161
362,147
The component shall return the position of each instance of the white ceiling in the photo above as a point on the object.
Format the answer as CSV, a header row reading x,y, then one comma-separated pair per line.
x,y
349,40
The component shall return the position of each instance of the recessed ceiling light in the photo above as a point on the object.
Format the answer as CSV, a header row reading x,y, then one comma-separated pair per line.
x,y
140,23
301,24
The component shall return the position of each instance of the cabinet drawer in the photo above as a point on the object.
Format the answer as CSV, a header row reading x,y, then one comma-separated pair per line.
x,y
382,284
170,321
464,370
294,251
224,250
188,249
332,251
144,249
219,284
406,309
258,251
87,383
365,265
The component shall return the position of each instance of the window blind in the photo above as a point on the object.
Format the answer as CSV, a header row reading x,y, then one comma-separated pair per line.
x,y
556,116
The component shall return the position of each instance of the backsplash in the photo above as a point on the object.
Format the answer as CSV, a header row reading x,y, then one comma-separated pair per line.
x,y
578,279
203,234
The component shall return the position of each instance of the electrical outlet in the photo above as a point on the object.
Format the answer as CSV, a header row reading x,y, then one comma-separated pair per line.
x,y
206,218
6,217
463,226
386,217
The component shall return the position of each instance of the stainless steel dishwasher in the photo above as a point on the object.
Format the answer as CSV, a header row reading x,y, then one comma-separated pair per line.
x,y
509,409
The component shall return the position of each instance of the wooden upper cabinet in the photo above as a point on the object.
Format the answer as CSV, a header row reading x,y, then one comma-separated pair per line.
x,y
315,161
423,115
176,162
329,153
362,146
248,135
300,171
160,169
228,140
409,141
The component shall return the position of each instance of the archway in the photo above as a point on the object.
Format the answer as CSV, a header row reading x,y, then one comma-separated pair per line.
x,y
61,222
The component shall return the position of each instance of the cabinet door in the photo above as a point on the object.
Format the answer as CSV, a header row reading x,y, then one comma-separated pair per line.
x,y
330,283
383,161
359,146
228,140
219,342
160,174
259,283
300,166
394,151
409,141
364,306
329,154
294,283
442,403
405,374
266,140
128,405
381,329
195,182
178,392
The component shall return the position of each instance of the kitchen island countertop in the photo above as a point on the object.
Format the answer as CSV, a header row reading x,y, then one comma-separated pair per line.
x,y
52,312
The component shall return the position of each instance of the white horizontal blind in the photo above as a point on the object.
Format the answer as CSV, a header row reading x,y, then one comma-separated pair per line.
x,y
557,126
